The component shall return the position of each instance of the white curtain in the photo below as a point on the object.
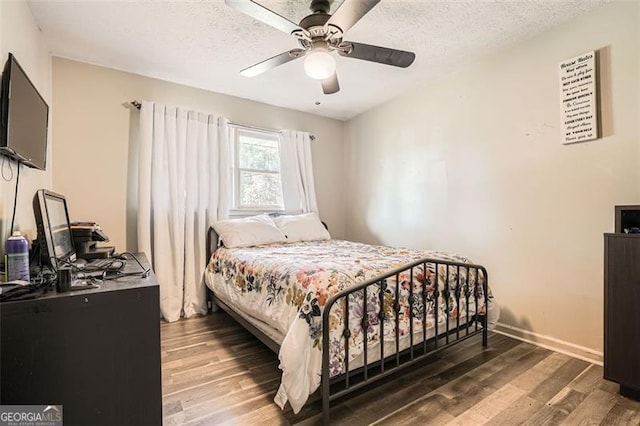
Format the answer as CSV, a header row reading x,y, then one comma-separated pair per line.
x,y
183,187
298,187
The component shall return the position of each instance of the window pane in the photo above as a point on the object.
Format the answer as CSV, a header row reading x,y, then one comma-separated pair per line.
x,y
260,189
258,154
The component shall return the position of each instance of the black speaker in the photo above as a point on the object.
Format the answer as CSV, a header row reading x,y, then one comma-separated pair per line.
x,y
65,277
627,219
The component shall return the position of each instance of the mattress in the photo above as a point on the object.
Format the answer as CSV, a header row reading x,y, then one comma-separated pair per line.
x,y
282,289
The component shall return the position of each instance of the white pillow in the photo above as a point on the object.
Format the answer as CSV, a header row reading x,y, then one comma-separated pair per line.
x,y
250,231
302,227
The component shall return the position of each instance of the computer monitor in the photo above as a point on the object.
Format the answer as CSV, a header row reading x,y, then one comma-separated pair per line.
x,y
54,229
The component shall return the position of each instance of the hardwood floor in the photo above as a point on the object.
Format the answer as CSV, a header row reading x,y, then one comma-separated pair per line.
x,y
215,372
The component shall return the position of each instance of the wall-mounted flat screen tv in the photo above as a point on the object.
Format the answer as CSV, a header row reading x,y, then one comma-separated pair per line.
x,y
24,117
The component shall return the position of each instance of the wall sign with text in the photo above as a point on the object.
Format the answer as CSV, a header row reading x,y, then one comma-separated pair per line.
x,y
578,109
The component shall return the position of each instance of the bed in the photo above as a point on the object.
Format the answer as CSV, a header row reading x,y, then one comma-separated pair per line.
x,y
405,304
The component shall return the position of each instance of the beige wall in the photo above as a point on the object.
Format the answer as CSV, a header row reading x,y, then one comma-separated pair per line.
x,y
95,161
473,164
20,35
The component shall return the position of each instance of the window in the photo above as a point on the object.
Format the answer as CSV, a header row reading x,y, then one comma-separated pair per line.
x,y
257,182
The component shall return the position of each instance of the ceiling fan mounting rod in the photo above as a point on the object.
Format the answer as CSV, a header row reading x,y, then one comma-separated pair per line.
x,y
320,6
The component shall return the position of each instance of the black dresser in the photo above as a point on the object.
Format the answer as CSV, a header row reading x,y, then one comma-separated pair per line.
x,y
622,312
95,352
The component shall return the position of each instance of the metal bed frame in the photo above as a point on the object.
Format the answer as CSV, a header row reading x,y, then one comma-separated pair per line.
x,y
464,288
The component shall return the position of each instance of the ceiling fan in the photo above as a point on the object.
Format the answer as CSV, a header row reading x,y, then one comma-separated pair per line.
x,y
320,34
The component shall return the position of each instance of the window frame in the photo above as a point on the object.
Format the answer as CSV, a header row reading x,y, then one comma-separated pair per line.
x,y
237,131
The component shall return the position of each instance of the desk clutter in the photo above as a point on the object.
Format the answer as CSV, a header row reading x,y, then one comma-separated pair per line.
x,y
64,256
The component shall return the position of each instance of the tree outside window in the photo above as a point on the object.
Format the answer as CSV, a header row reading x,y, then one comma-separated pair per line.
x,y
257,180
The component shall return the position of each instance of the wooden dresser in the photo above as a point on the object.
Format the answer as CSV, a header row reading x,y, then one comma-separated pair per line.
x,y
95,352
622,312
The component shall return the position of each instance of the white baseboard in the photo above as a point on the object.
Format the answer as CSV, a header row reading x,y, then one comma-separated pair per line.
x,y
548,342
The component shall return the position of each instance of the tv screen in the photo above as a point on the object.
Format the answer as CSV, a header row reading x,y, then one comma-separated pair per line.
x,y
24,116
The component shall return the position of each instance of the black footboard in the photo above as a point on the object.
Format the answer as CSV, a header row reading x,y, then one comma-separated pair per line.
x,y
428,280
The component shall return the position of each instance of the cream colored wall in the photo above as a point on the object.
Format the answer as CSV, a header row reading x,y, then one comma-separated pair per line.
x,y
20,35
473,164
93,156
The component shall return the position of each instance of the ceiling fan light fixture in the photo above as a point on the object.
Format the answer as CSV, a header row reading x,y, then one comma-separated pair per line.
x,y
319,64
319,34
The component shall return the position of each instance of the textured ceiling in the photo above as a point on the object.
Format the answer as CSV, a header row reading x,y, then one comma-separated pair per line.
x,y
205,44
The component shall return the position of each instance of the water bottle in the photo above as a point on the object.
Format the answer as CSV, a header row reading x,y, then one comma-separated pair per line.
x,y
17,257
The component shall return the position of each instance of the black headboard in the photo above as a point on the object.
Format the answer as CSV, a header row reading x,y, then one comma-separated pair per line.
x,y
213,240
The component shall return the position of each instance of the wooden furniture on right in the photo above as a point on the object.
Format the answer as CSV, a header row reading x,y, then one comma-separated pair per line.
x,y
622,312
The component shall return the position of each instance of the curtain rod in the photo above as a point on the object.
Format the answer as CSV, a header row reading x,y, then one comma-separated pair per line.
x,y
138,105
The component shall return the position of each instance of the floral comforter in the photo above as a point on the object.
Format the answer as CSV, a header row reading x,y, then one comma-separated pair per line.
x,y
287,286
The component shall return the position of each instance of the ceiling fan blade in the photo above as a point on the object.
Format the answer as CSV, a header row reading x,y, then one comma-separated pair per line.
x,y
273,62
330,85
350,12
382,55
262,14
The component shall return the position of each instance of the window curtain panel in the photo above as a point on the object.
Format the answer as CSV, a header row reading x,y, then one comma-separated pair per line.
x,y
183,186
298,187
